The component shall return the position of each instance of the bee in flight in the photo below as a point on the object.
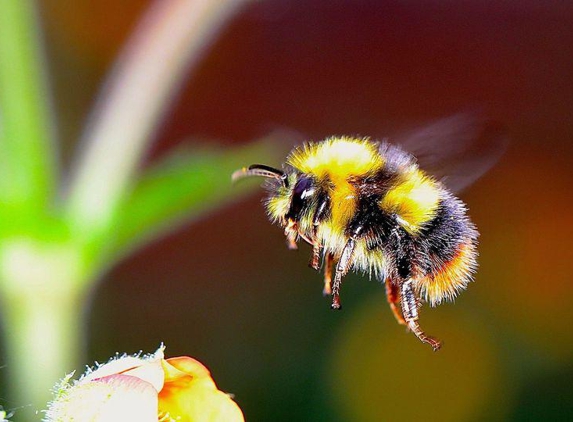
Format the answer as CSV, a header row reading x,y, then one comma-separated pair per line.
x,y
387,210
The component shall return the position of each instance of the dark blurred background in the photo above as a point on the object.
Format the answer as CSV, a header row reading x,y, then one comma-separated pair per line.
x,y
225,289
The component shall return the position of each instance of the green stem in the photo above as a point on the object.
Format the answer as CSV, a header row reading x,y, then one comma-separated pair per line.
x,y
27,149
169,41
41,309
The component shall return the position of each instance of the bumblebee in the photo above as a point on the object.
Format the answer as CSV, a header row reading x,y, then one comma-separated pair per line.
x,y
369,206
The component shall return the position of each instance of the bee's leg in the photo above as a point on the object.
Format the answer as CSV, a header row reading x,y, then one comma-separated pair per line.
x,y
409,305
291,234
393,297
327,290
315,258
320,214
341,270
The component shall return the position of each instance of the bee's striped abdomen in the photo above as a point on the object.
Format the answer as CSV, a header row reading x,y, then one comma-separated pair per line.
x,y
449,246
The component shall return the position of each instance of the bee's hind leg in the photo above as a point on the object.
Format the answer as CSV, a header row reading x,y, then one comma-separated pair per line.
x,y
409,304
393,297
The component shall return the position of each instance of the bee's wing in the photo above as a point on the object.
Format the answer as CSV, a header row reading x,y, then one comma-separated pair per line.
x,y
457,150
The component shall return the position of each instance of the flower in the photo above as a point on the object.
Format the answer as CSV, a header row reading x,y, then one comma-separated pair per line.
x,y
146,389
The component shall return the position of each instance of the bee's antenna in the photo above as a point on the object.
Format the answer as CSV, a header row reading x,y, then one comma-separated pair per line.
x,y
259,170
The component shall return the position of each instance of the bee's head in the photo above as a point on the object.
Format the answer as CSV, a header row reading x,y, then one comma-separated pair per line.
x,y
291,195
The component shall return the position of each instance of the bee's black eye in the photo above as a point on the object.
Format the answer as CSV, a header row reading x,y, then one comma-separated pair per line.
x,y
303,189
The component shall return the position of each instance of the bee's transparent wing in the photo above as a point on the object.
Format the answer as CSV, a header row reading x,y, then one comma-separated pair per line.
x,y
457,150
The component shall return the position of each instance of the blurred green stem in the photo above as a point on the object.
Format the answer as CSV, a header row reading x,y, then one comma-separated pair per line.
x,y
37,311
42,305
27,148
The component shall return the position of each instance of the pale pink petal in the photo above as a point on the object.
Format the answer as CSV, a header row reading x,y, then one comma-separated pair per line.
x,y
116,366
151,372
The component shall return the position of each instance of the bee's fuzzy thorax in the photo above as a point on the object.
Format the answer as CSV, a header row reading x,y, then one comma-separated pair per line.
x,y
337,157
334,163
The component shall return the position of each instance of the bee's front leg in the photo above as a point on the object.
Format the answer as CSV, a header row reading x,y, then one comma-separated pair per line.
x,y
409,304
291,233
319,216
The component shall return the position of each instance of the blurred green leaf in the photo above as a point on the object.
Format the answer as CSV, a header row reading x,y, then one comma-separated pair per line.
x,y
184,185
27,150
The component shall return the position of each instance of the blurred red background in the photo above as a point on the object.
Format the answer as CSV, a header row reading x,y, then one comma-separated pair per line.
x,y
226,290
